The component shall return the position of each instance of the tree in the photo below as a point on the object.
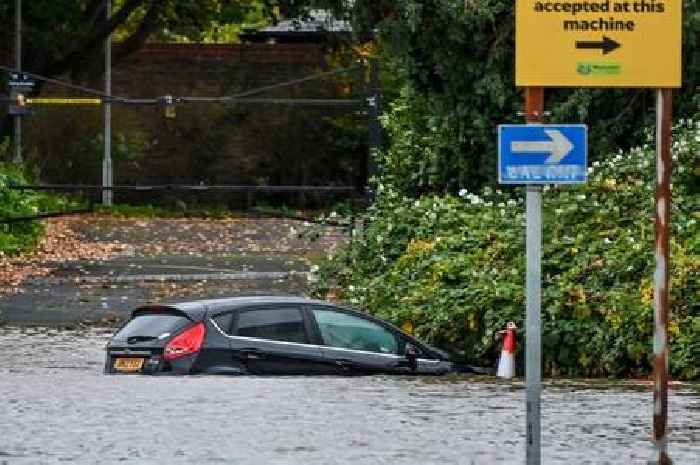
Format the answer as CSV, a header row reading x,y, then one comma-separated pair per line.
x,y
454,61
66,37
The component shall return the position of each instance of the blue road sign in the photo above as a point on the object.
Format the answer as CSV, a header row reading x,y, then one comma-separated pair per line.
x,y
542,153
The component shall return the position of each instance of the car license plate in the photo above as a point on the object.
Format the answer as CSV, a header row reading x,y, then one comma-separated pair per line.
x,y
128,365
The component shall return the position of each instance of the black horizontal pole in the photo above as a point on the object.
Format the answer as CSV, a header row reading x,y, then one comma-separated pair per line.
x,y
277,101
185,188
39,216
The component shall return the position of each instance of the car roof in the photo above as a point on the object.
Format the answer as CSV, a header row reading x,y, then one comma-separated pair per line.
x,y
197,310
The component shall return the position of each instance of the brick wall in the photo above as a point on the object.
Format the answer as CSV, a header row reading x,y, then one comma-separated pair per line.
x,y
204,69
212,144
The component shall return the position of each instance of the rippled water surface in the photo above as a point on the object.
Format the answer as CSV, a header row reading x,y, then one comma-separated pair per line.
x,y
57,407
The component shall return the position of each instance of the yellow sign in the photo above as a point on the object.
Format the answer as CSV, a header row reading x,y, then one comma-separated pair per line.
x,y
64,101
598,43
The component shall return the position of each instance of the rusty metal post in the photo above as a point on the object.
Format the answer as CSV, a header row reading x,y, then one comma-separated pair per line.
x,y
662,252
534,113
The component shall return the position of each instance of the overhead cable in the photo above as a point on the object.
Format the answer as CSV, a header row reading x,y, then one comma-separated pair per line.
x,y
168,99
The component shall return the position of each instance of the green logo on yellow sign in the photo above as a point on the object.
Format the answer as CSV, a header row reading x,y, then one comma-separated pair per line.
x,y
598,68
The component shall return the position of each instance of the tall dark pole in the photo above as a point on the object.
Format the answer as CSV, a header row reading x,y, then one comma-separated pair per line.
x,y
107,173
17,158
374,103
663,255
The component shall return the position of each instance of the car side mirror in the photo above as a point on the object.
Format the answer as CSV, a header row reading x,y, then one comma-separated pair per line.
x,y
411,353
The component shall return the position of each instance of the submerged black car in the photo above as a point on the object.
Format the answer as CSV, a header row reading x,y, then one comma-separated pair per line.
x,y
266,335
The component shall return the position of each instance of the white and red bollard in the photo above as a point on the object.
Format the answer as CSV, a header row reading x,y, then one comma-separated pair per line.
x,y
506,365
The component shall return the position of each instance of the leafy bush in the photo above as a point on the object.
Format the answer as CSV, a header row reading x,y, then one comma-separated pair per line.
x,y
452,268
19,236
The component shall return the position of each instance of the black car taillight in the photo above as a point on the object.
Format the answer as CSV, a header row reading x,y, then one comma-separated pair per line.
x,y
187,342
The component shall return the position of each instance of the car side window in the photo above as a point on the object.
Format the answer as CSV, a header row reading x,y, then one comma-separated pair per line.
x,y
277,324
224,322
351,332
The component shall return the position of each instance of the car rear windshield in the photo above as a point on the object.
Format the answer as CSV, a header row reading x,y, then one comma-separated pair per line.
x,y
153,325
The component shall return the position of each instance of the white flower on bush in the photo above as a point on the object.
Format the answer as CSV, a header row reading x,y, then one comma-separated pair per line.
x,y
312,277
607,240
512,203
463,193
501,205
581,197
379,238
351,288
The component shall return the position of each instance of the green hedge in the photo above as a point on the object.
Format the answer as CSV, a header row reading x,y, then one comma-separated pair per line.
x,y
452,267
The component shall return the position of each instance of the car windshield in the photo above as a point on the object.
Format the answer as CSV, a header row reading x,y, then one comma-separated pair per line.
x,y
157,326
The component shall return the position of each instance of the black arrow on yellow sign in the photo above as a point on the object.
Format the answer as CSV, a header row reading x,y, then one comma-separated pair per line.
x,y
607,45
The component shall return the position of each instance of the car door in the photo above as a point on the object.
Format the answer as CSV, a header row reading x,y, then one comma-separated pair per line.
x,y
357,345
275,340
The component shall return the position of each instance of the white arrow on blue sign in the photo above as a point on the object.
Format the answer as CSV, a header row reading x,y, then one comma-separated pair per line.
x,y
542,153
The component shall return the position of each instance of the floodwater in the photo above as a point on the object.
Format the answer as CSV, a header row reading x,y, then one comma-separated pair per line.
x,y
56,407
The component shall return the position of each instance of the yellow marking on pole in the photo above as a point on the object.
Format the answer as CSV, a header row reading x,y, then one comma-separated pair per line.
x,y
64,101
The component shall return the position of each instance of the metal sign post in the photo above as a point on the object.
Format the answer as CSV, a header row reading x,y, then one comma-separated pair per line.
x,y
534,113
107,174
536,154
17,158
533,323
663,234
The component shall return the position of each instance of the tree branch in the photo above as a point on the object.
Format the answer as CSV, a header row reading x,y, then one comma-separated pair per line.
x,y
135,41
86,48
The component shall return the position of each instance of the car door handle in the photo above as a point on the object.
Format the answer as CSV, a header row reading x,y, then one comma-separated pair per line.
x,y
411,363
345,364
251,353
